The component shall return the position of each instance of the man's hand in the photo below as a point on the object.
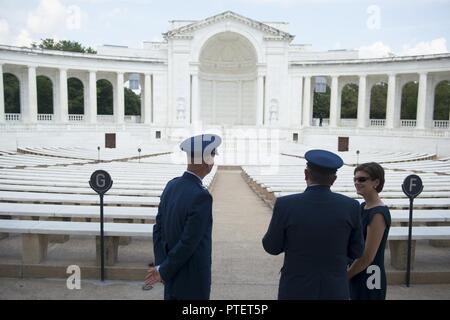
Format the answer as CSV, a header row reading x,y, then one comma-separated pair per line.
x,y
152,277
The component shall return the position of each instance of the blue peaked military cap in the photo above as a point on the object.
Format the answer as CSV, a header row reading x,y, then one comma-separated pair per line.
x,y
201,147
323,160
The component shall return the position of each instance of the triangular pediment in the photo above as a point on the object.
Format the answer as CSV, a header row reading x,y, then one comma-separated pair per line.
x,y
269,31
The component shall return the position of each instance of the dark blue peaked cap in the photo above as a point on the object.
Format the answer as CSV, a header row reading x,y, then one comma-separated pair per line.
x,y
324,160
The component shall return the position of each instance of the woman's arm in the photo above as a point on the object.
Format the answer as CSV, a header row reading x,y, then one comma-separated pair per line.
x,y
375,231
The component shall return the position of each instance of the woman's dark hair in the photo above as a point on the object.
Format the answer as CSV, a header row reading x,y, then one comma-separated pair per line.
x,y
375,171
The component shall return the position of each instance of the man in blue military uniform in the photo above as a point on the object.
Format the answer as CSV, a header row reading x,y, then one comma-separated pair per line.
x,y
318,231
182,233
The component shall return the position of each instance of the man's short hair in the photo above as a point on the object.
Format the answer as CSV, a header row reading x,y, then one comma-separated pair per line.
x,y
321,176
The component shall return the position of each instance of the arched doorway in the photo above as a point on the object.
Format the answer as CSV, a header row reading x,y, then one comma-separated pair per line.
x,y
44,95
321,101
349,101
441,108
104,97
227,80
11,89
408,108
132,95
378,101
75,96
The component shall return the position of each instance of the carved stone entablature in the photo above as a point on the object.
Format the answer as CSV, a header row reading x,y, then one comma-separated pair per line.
x,y
180,37
229,15
274,39
181,109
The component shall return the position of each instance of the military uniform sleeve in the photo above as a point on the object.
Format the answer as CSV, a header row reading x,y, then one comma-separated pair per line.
x,y
356,243
196,225
273,241
158,247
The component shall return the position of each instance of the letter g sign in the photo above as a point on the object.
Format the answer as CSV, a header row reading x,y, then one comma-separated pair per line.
x,y
100,181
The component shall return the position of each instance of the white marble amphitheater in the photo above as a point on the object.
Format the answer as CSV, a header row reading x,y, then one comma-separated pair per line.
x,y
228,74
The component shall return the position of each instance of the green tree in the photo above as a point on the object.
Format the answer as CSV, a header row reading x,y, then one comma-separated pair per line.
x,y
321,104
409,100
44,95
442,101
378,101
349,101
75,96
132,103
63,45
104,97
12,93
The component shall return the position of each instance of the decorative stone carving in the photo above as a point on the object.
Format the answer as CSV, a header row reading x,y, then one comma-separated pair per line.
x,y
181,109
273,111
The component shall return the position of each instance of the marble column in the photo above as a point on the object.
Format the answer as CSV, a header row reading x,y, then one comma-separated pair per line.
x,y
91,111
195,100
119,112
147,114
335,102
422,99
62,104
363,103
393,104
239,84
307,102
300,99
2,97
260,100
30,105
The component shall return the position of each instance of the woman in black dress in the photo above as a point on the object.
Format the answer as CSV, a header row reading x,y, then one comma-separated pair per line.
x,y
367,275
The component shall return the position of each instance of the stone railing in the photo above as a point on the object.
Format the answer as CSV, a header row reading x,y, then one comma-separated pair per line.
x,y
45,117
316,122
132,119
348,122
441,124
76,117
408,123
105,118
13,117
377,122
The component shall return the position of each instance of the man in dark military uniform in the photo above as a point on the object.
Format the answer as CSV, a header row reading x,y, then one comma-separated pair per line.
x,y
182,233
318,231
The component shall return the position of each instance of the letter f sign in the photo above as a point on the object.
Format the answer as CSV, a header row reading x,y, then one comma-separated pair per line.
x,y
412,184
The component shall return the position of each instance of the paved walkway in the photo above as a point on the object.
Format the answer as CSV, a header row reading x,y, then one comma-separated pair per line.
x,y
241,268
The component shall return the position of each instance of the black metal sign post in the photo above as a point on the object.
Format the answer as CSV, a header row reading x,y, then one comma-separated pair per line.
x,y
101,182
412,186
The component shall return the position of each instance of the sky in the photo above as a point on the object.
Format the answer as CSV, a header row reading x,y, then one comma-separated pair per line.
x,y
376,28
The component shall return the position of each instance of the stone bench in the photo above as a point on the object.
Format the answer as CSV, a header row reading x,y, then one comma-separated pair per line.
x,y
35,236
76,211
64,198
398,242
385,195
138,180
420,216
48,182
79,190
78,214
81,179
350,188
